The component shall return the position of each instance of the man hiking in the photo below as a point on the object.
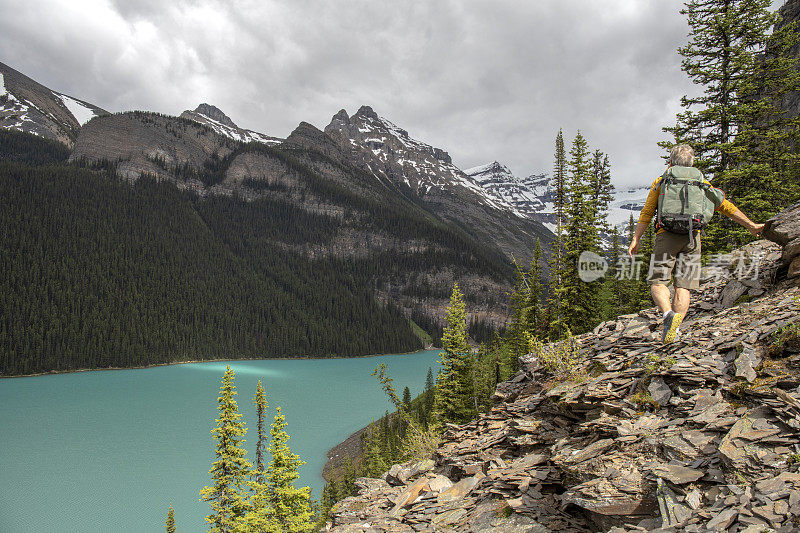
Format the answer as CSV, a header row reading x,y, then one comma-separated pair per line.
x,y
685,202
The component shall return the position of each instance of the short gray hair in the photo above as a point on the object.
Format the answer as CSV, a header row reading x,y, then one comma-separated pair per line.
x,y
681,155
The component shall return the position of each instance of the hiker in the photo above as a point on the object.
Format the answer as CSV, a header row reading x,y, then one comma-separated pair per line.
x,y
684,207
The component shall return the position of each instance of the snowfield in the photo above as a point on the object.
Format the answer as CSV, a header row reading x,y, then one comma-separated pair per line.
x,y
81,113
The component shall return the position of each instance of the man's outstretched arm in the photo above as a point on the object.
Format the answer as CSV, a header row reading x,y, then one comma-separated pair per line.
x,y
741,219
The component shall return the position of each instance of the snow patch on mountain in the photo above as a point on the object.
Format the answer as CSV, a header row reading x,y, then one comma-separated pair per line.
x,y
221,124
626,202
501,184
79,110
14,113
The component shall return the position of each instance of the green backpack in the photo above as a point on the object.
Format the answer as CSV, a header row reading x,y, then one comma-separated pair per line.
x,y
686,203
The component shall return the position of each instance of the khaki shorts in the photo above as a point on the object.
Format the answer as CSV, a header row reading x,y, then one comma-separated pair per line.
x,y
672,254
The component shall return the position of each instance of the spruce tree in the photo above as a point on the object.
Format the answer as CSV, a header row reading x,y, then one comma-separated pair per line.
x,y
260,401
291,505
601,190
170,523
374,461
230,470
725,37
742,138
534,313
556,303
579,297
519,303
453,396
616,288
765,176
259,516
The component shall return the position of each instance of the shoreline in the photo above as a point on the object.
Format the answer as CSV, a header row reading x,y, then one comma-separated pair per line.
x,y
154,365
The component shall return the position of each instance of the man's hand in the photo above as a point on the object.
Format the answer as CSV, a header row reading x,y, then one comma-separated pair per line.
x,y
634,246
755,229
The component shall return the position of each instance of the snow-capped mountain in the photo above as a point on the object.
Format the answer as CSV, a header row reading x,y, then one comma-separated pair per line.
x,y
427,174
526,198
28,106
388,151
626,202
218,121
533,196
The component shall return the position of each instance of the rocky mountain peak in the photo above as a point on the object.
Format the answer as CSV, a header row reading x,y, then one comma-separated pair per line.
x,y
307,135
698,435
28,106
366,112
389,153
217,120
214,113
341,116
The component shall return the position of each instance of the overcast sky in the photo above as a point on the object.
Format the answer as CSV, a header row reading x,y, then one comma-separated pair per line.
x,y
484,80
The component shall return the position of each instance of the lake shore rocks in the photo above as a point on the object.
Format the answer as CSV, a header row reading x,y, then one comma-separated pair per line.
x,y
699,435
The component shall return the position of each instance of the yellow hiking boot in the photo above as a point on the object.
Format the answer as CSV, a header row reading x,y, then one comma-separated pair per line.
x,y
671,323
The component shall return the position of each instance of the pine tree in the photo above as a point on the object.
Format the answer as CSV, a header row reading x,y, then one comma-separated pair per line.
x,y
407,397
170,523
556,303
765,176
582,235
454,396
534,313
291,505
742,138
260,401
231,468
519,301
725,37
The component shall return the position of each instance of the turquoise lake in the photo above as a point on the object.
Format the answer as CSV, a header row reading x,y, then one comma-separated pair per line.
x,y
107,451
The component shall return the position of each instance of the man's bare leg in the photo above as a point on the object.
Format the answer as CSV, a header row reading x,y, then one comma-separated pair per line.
x,y
660,294
680,302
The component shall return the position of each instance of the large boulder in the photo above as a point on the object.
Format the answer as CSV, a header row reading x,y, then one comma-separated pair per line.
x,y
784,228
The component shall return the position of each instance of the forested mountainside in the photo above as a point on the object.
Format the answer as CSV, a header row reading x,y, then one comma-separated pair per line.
x,y
99,272
408,252
141,238
108,271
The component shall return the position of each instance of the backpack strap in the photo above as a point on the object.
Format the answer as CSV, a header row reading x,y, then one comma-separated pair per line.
x,y
665,178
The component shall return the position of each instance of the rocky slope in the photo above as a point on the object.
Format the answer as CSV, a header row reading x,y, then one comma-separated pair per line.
x,y
28,106
699,435
218,121
427,175
150,143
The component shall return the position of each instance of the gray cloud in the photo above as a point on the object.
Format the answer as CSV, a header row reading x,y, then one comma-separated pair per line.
x,y
484,80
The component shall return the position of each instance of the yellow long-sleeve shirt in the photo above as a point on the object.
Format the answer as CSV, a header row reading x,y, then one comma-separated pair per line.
x,y
651,204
